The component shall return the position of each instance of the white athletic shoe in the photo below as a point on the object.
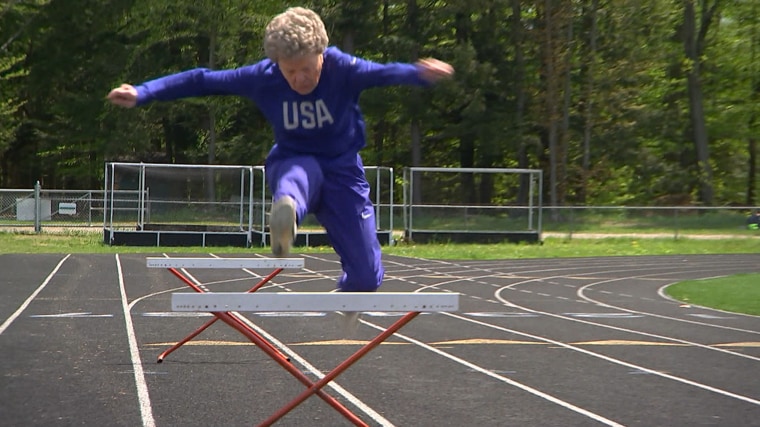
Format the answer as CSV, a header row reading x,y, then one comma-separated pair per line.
x,y
282,226
350,323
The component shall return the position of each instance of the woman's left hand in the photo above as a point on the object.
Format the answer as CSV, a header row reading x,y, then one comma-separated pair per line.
x,y
432,69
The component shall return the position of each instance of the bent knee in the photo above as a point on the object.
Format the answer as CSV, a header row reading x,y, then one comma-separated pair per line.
x,y
367,281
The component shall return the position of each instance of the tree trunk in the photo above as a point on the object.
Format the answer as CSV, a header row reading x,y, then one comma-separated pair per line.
x,y
564,145
211,115
694,47
755,91
210,178
381,127
752,171
416,136
516,25
551,82
588,104
415,133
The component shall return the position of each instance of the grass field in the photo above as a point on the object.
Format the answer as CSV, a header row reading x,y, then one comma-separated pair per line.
x,y
739,293
78,241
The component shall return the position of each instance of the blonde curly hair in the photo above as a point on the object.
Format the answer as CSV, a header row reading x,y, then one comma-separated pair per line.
x,y
295,32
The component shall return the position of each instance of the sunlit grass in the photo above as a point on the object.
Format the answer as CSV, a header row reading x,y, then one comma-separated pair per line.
x,y
739,293
92,242
562,248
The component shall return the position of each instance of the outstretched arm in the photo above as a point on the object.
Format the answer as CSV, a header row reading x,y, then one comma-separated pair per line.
x,y
190,83
424,72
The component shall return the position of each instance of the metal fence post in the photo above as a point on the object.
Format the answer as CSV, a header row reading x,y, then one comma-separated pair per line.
x,y
37,208
675,236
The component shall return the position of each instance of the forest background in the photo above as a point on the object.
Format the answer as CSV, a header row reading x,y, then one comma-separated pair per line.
x,y
619,102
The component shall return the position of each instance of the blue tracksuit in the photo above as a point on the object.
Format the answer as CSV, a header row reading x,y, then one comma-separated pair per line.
x,y
315,159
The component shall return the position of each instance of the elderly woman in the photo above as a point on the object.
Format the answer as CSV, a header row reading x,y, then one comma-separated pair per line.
x,y
309,93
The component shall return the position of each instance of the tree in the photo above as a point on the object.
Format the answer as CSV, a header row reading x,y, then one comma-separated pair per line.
x,y
694,33
625,102
552,20
14,21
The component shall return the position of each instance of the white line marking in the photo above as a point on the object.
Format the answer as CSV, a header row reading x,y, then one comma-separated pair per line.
x,y
588,300
611,359
582,293
501,314
142,387
603,357
34,294
710,316
68,315
604,315
501,378
633,331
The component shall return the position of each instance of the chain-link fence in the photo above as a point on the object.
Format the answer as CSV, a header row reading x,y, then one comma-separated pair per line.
x,y
38,207
17,207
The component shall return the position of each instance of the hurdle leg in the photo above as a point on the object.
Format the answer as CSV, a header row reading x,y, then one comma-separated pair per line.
x,y
317,386
267,348
186,339
205,326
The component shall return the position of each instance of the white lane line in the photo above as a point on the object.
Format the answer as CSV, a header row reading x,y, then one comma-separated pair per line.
x,y
34,294
85,314
601,356
617,328
587,300
501,378
611,359
582,294
142,387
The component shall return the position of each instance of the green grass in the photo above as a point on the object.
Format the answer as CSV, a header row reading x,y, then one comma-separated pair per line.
x,y
562,248
588,220
79,241
739,293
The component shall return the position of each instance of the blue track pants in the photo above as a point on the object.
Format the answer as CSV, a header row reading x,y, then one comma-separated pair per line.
x,y
336,191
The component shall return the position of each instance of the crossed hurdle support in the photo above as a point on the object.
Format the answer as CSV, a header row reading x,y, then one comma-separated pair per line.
x,y
226,305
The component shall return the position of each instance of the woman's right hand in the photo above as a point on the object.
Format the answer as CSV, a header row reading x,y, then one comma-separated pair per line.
x,y
123,96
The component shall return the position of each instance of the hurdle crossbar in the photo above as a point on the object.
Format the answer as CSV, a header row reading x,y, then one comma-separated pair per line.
x,y
251,263
316,301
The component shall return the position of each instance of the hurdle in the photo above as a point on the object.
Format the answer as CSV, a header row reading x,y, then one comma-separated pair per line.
x,y
316,301
174,264
225,306
411,303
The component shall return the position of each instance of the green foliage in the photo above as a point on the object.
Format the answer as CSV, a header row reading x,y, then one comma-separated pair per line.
x,y
9,100
594,93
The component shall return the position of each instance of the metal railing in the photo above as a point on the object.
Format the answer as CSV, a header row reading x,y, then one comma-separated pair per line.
x,y
39,208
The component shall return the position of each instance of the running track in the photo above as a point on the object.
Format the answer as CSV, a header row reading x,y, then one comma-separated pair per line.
x,y
550,342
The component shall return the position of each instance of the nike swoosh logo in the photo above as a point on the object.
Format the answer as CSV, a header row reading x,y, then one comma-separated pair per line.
x,y
366,215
